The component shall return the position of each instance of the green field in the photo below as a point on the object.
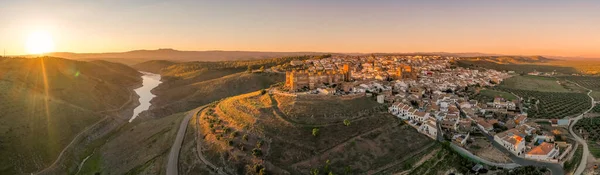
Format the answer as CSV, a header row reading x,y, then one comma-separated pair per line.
x,y
534,83
549,98
596,109
592,126
590,82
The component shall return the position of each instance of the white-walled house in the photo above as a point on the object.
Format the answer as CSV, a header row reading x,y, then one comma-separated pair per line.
x,y
511,140
429,128
421,116
545,152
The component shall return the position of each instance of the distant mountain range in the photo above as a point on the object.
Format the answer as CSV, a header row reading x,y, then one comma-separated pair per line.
x,y
139,56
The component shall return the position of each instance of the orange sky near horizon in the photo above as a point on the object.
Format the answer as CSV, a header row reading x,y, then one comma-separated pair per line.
x,y
556,28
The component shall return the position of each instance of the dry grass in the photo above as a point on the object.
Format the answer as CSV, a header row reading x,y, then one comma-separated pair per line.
x,y
369,142
45,102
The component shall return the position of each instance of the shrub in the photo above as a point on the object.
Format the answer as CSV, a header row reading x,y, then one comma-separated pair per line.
x,y
347,122
245,137
315,131
256,152
259,143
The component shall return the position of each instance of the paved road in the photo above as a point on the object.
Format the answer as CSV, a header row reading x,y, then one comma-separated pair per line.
x,y
172,167
464,152
555,168
586,150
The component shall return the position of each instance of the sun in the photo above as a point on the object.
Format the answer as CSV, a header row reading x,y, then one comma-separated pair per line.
x,y
39,43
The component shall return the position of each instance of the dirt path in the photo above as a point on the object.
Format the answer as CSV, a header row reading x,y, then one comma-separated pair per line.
x,y
199,154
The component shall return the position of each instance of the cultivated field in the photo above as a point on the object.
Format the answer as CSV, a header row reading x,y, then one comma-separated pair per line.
x,y
279,133
591,126
590,82
549,97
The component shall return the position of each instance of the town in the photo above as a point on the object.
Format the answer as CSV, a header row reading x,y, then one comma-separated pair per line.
x,y
432,95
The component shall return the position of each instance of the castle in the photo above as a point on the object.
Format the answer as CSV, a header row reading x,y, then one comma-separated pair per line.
x,y
313,79
299,79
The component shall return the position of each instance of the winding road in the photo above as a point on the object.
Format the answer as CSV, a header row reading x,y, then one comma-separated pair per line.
x,y
581,141
172,167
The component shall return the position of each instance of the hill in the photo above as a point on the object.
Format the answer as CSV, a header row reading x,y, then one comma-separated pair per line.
x,y
186,97
139,56
153,66
191,84
298,134
46,101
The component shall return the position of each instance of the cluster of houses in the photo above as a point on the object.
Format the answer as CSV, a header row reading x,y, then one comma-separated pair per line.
x,y
422,91
429,105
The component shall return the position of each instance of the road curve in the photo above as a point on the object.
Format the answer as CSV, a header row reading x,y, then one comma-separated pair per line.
x,y
586,150
172,167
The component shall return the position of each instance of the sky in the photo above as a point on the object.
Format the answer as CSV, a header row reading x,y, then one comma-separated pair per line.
x,y
534,27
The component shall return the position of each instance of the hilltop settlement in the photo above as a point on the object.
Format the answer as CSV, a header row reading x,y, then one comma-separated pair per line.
x,y
432,95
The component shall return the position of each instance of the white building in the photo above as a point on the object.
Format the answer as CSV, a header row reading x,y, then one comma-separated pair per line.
x,y
511,140
545,152
380,99
429,128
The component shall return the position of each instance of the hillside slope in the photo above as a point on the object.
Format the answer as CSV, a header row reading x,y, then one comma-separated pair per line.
x,y
191,84
299,134
45,102
186,97
153,66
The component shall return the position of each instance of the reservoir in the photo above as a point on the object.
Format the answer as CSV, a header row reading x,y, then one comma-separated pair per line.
x,y
150,81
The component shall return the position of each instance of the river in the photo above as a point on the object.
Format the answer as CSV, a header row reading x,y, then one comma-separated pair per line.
x,y
150,81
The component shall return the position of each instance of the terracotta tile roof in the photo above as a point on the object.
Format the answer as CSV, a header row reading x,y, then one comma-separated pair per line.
x,y
420,114
542,149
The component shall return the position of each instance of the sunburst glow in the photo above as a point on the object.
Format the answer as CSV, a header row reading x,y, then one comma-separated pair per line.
x,y
39,43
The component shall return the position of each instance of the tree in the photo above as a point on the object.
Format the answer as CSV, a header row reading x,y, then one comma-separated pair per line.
x,y
262,171
315,131
249,69
346,122
314,171
256,152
